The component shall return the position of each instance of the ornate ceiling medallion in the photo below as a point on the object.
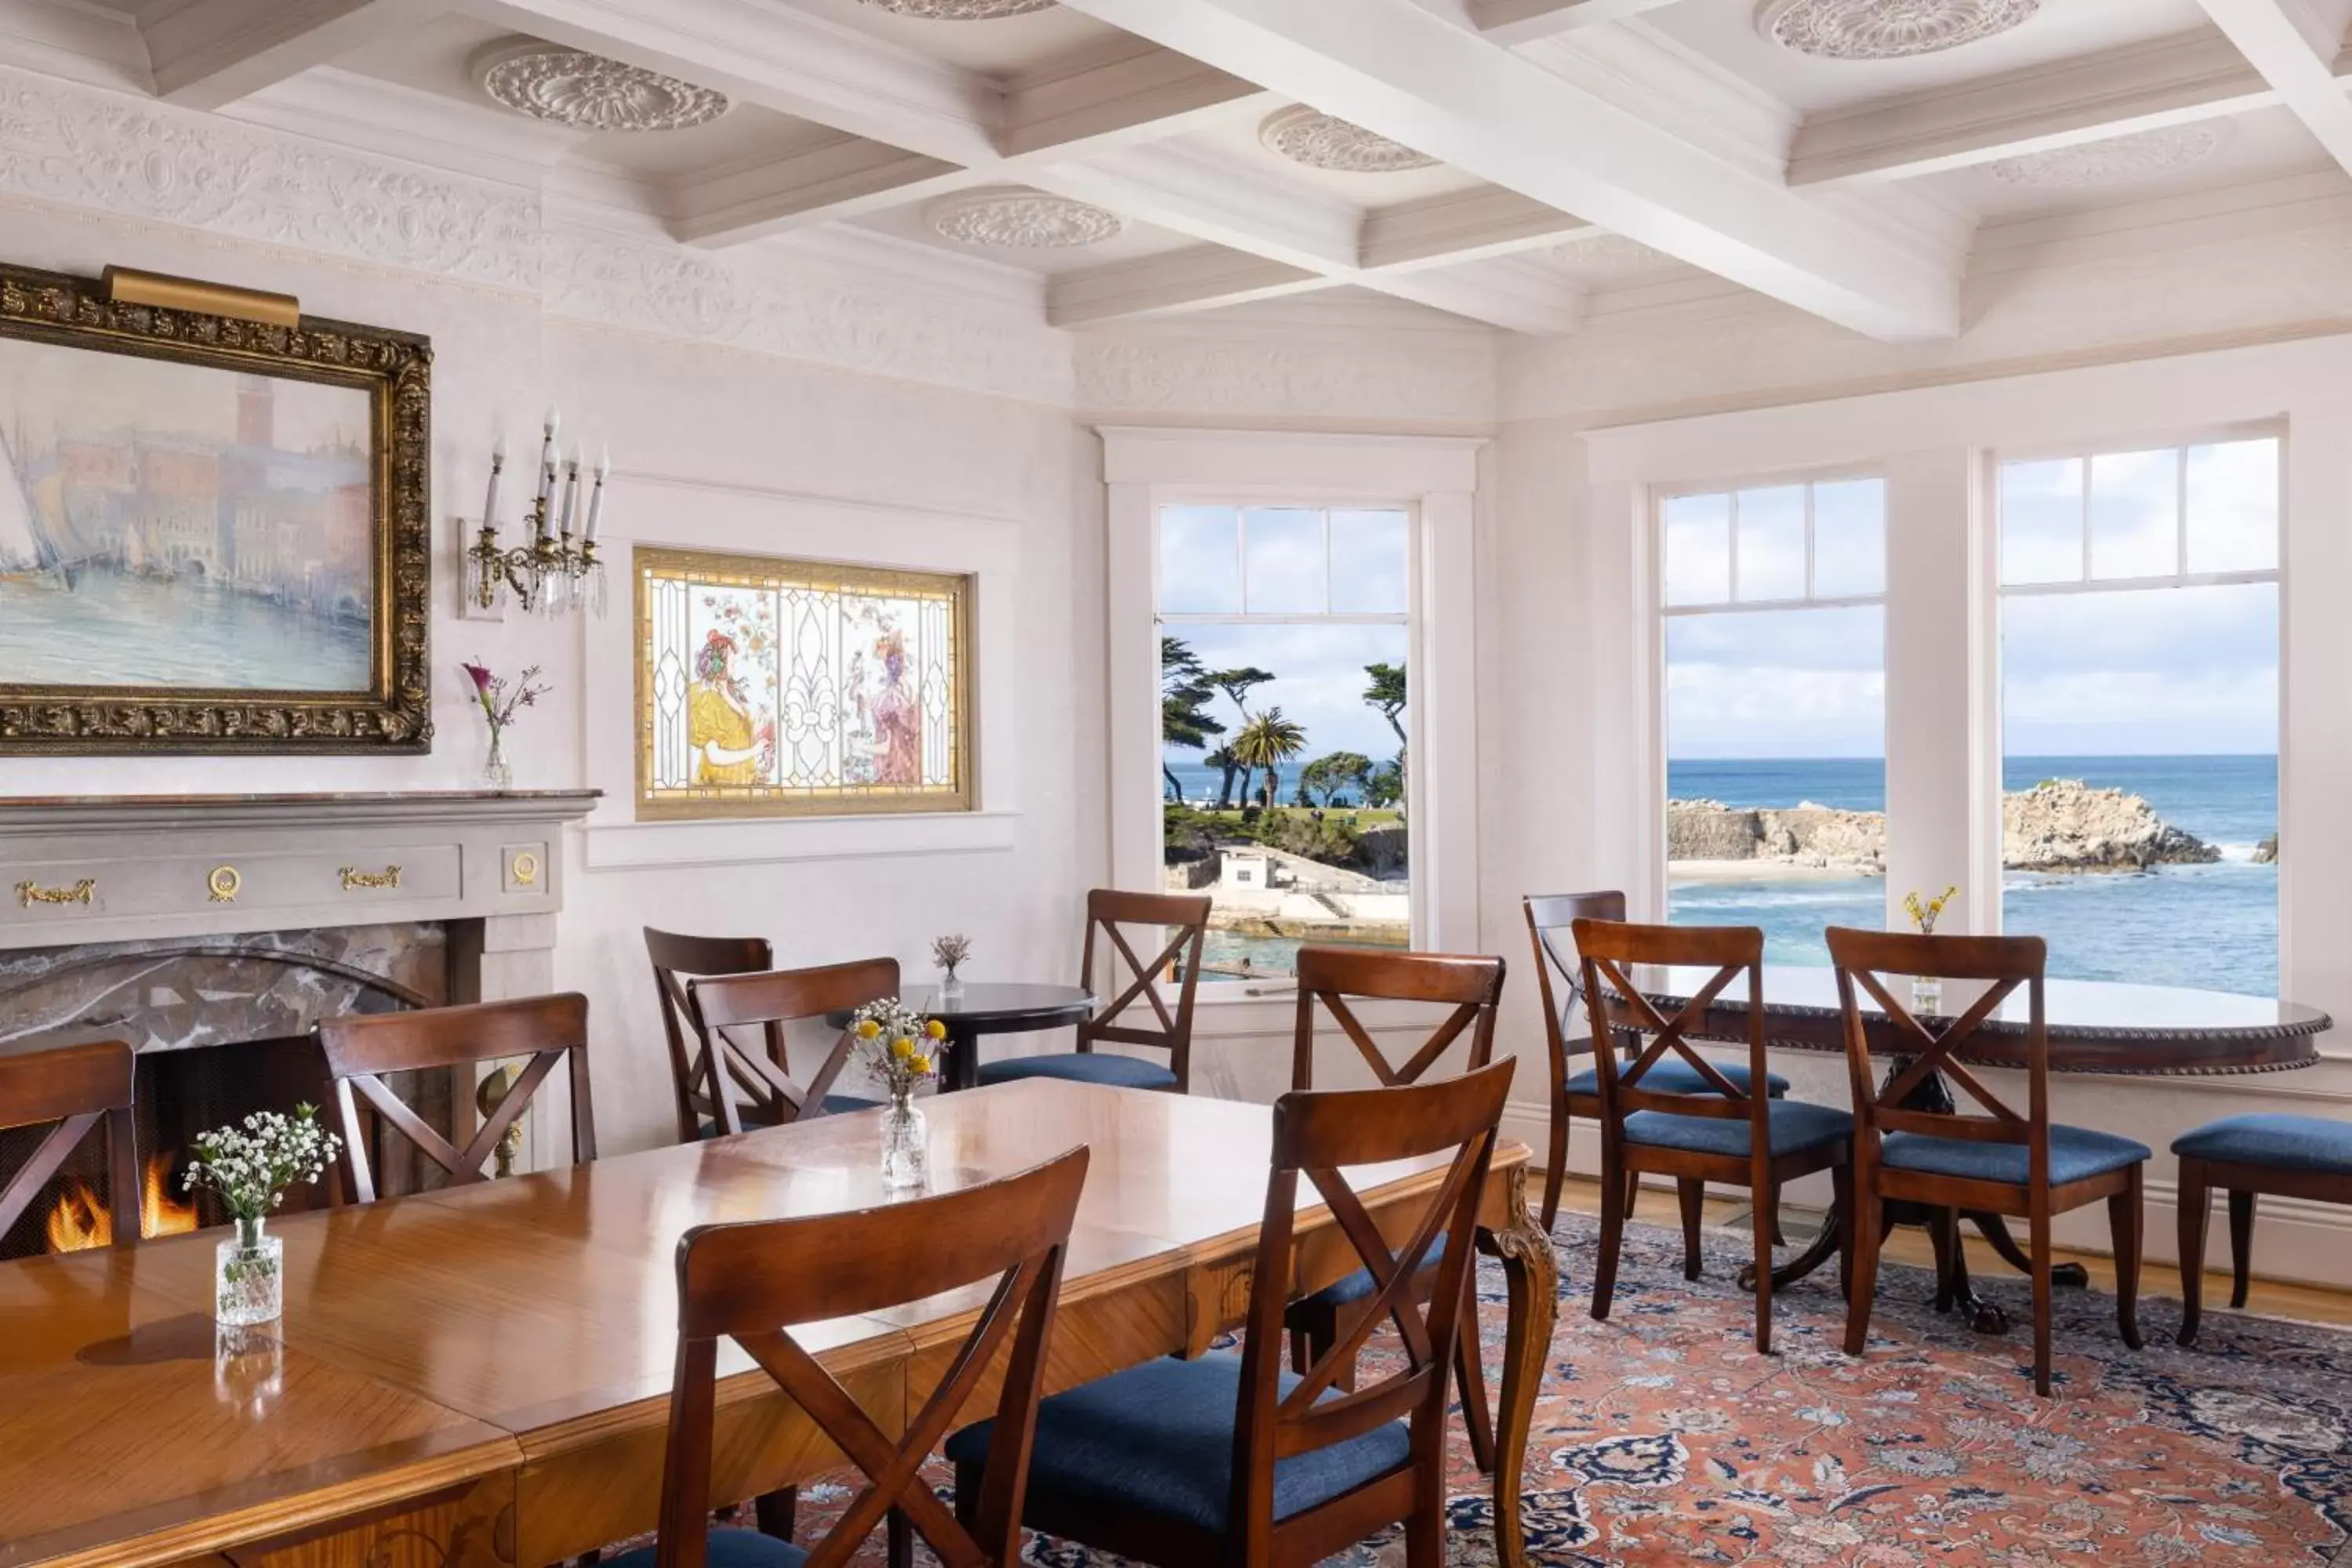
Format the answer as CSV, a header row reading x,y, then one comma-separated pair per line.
x,y
2118,161
961,10
1014,218
1321,140
1886,29
569,86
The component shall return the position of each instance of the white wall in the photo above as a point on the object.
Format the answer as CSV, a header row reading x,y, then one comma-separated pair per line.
x,y
763,400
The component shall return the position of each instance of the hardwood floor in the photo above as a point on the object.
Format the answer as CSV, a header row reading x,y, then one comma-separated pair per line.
x,y
2308,1303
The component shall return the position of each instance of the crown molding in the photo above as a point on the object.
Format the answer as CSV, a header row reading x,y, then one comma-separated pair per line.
x,y
369,114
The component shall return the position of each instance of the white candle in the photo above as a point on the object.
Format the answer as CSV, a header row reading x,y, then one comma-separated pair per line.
x,y
554,423
596,497
571,491
490,501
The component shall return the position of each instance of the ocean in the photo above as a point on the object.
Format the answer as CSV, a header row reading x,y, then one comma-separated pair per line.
x,y
2099,926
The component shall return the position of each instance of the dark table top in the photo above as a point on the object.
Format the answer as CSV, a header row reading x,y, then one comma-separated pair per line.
x,y
989,1008
2095,1025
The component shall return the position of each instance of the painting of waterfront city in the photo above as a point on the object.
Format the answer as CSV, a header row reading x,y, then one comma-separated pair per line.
x,y
182,527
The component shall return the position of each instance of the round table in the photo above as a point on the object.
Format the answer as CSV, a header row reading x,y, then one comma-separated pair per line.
x,y
2093,1027
987,1008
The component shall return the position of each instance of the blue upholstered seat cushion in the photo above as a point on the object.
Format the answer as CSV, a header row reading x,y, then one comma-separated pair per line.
x,y
1795,1126
835,1105
2268,1138
2075,1153
1158,1439
1358,1287
1672,1075
1082,1067
728,1549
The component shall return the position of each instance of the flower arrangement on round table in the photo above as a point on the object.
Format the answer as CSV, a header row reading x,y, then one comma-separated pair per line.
x,y
899,1047
249,1166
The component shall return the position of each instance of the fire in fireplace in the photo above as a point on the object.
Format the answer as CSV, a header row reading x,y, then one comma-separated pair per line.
x,y
82,1218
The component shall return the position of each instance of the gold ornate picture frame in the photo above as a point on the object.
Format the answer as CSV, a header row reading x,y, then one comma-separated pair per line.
x,y
214,532
767,686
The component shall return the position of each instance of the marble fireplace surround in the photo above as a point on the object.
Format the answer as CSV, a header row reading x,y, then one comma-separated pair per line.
x,y
184,922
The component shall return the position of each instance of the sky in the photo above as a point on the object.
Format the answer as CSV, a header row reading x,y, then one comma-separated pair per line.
x,y
2150,671
77,391
1223,560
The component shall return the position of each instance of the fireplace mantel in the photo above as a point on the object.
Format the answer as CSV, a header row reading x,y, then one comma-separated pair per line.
x,y
92,869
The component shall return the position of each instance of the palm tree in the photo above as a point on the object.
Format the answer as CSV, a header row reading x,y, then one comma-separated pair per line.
x,y
1236,684
1267,741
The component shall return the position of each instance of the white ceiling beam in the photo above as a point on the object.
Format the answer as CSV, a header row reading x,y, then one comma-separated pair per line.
x,y
2169,81
1145,95
839,180
1466,225
210,53
1521,21
2281,39
1196,278
1407,73
1511,294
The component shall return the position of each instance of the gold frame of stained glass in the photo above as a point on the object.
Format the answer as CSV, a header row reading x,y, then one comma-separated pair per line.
x,y
673,802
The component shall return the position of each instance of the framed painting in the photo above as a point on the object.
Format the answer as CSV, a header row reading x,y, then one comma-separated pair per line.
x,y
768,687
214,531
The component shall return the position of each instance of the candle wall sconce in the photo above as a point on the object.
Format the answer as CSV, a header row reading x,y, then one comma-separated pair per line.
x,y
554,570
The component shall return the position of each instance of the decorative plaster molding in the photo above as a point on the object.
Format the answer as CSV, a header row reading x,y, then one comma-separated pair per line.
x,y
2118,161
87,148
1010,218
590,92
1306,136
961,10
1886,29
770,301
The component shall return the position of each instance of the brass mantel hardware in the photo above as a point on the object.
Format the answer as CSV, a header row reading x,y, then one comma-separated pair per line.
x,y
525,866
355,879
31,893
129,286
224,883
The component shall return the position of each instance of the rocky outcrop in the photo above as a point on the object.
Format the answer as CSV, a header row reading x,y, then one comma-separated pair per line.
x,y
2059,824
2266,852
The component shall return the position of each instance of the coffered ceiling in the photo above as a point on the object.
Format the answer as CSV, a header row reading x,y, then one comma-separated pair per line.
x,y
1500,160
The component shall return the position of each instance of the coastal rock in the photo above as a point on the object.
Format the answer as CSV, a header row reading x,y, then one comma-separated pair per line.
x,y
2059,824
2266,852
2064,825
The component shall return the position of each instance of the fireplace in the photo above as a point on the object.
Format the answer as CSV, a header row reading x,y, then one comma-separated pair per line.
x,y
211,933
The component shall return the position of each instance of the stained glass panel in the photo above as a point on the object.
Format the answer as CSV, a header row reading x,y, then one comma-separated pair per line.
x,y
768,687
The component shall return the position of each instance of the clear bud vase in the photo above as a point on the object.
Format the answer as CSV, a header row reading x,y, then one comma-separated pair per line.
x,y
1926,996
950,983
496,772
248,1277
906,1144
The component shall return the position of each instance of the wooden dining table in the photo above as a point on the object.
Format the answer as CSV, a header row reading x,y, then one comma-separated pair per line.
x,y
480,1375
2094,1027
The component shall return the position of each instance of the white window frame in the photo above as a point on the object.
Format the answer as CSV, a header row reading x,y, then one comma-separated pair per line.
x,y
1435,481
1996,689
1656,875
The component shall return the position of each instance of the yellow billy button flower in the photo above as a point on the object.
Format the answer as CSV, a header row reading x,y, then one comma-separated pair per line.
x,y
935,1029
922,1066
867,1029
902,1048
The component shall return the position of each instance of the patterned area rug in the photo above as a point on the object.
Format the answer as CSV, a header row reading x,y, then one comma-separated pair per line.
x,y
1662,1437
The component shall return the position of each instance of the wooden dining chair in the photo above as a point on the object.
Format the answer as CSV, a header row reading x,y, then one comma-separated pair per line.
x,y
2271,1153
359,1048
1225,1459
752,1281
677,958
1720,1131
1111,915
75,1089
1913,1143
721,1009
1328,978
1560,978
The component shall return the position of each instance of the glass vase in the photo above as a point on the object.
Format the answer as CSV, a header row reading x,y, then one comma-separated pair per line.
x,y
496,772
950,983
248,1277
1926,996
906,1144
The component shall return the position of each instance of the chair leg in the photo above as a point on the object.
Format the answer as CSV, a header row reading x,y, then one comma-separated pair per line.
x,y
2194,1201
1868,1221
2241,1246
898,1537
1842,1195
1612,1233
1944,1232
2039,1249
1302,1352
1477,1412
1692,1191
1556,1171
1633,1195
1768,1224
2123,1220
775,1512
